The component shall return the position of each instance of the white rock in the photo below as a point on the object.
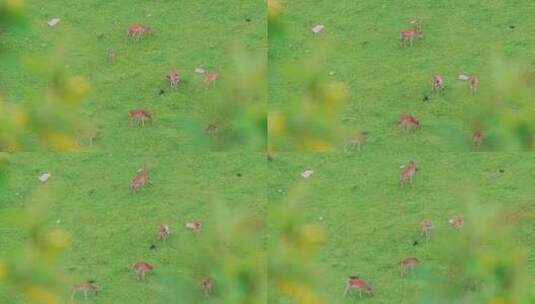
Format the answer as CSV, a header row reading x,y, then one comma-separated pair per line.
x,y
321,218
463,77
44,177
58,221
53,21
200,70
317,28
331,73
307,173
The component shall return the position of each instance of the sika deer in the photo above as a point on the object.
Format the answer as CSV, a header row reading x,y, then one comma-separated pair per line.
x,y
477,137
138,116
173,77
473,83
141,268
456,221
408,35
407,174
207,286
211,77
111,55
195,226
354,282
137,31
140,179
87,288
408,264
426,228
407,121
356,139
437,83
163,231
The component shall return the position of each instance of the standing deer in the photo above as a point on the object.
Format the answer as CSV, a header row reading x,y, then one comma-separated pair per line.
x,y
426,228
137,31
354,282
87,288
173,77
163,231
456,221
356,140
140,179
407,121
195,226
139,116
207,286
477,137
211,77
473,83
407,174
408,35
408,264
437,83
111,55
141,268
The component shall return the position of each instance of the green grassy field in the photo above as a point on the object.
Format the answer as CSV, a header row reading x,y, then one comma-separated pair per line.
x,y
186,35
111,227
371,223
360,46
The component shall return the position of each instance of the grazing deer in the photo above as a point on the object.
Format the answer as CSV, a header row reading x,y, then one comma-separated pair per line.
x,y
426,228
407,121
141,268
473,83
163,231
87,288
477,137
211,77
195,226
456,221
139,116
212,129
111,55
141,179
408,264
174,78
137,31
437,83
354,282
407,174
356,140
408,35
207,286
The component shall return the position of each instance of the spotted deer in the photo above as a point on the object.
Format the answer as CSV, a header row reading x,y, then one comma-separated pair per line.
x,y
437,83
407,174
407,36
141,268
163,231
456,221
354,282
173,77
87,288
141,179
426,228
207,286
195,226
477,137
139,116
408,264
473,83
407,121
211,77
111,55
137,31
356,140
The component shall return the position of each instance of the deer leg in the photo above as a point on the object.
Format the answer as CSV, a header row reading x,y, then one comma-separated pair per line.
x,y
85,294
360,292
345,291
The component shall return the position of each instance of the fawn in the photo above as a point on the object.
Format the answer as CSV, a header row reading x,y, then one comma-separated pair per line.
x,y
426,228
408,264
408,35
111,55
407,121
473,83
141,179
195,226
456,221
173,77
477,137
137,31
356,139
437,83
354,282
163,231
207,286
141,268
407,174
139,116
211,77
86,288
